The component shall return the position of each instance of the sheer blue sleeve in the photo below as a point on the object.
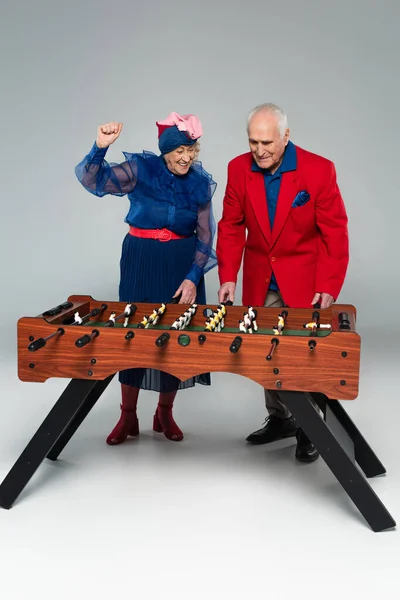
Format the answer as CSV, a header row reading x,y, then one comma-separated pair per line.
x,y
100,177
205,257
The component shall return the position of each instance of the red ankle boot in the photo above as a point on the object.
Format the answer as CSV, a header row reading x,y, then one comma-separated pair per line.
x,y
128,424
163,422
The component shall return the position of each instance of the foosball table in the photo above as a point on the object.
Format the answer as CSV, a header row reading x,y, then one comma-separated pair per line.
x,y
311,357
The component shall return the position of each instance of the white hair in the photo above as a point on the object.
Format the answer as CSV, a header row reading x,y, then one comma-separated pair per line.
x,y
274,110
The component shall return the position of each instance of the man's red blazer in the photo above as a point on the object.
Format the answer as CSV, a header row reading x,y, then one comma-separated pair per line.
x,y
308,247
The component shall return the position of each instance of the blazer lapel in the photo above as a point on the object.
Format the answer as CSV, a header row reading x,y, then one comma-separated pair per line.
x,y
287,193
258,199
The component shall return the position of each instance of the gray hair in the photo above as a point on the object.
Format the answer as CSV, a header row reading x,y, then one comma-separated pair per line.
x,y
273,109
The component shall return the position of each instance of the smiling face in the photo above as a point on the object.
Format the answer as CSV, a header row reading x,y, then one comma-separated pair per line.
x,y
180,160
265,141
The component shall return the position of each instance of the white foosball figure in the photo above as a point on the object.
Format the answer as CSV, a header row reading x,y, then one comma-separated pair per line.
x,y
127,311
242,327
253,316
77,318
188,314
248,323
175,324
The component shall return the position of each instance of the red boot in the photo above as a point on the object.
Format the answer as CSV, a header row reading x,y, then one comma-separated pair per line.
x,y
128,423
163,422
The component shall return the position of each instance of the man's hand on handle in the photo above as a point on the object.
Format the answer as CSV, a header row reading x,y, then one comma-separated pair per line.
x,y
227,292
326,300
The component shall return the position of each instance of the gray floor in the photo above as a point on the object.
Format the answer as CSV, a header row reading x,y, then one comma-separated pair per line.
x,y
206,518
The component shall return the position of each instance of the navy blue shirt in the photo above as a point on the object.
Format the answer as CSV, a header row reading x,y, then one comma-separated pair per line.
x,y
272,183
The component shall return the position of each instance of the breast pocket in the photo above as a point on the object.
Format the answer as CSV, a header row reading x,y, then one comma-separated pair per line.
x,y
303,217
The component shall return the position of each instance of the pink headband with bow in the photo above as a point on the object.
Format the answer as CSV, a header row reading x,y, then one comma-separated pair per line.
x,y
188,123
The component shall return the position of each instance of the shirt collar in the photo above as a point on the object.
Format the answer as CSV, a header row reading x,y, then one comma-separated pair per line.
x,y
289,162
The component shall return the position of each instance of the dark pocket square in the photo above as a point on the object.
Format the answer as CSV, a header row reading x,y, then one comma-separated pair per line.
x,y
301,199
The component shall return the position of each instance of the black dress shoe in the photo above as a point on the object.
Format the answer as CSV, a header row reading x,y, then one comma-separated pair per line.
x,y
305,450
274,429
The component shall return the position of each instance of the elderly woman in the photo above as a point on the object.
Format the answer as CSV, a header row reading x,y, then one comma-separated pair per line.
x,y
169,246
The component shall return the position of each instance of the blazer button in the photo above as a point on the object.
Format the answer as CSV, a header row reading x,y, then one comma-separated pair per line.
x,y
273,259
267,280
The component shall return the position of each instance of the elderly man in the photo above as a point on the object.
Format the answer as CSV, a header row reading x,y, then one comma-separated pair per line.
x,y
296,249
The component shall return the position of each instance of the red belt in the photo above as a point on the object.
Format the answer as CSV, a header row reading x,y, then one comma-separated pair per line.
x,y
163,235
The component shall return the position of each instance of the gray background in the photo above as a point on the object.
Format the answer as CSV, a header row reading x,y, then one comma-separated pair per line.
x,y
66,68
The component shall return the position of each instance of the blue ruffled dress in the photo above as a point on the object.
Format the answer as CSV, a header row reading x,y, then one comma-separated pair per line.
x,y
150,270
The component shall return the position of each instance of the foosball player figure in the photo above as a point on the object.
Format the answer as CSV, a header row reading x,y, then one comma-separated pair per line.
x,y
191,311
215,321
315,326
242,326
209,325
161,310
111,320
182,321
175,325
144,323
221,313
158,314
281,324
248,322
77,318
188,315
127,312
153,317
253,316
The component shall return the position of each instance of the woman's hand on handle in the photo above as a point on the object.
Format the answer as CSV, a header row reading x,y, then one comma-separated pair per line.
x,y
107,134
188,290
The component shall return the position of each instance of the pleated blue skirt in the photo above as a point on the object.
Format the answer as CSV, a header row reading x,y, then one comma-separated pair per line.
x,y
151,271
